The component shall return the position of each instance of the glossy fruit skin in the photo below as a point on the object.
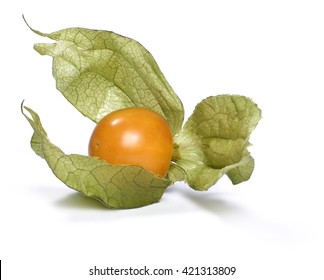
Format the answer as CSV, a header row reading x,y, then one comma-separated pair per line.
x,y
134,136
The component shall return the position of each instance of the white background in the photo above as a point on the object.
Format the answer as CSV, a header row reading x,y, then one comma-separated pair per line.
x,y
268,228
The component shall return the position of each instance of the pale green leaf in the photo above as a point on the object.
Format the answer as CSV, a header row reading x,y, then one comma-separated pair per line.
x,y
100,71
242,171
116,186
214,141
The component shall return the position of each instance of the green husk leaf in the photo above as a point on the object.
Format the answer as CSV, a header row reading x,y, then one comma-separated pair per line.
x,y
100,72
214,142
116,186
